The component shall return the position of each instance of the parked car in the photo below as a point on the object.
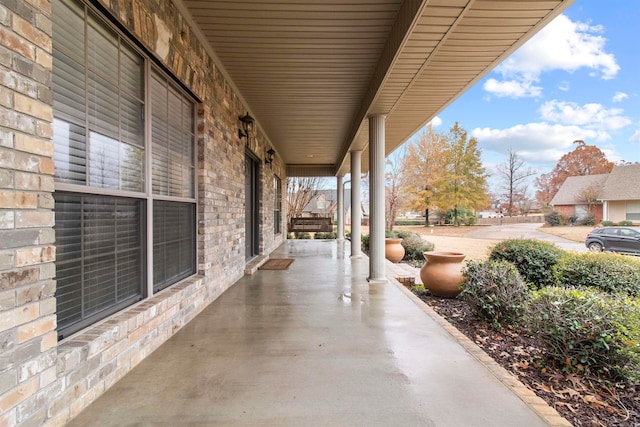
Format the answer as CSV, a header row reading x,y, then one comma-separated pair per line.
x,y
616,239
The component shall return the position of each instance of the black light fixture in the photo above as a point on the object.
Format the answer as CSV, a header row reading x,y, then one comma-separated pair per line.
x,y
269,159
248,124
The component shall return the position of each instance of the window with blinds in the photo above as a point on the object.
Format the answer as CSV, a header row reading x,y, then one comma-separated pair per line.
x,y
277,204
105,93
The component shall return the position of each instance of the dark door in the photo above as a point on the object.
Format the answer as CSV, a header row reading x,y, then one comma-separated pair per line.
x,y
251,206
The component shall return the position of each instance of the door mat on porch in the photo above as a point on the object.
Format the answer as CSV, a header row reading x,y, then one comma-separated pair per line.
x,y
277,264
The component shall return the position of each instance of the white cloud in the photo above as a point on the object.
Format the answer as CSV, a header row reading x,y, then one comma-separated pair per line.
x,y
436,121
591,116
635,138
564,86
561,45
512,88
538,143
620,96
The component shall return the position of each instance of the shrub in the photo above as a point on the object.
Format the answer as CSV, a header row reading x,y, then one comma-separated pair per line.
x,y
626,223
325,235
409,222
365,241
590,219
412,243
554,219
495,292
573,219
607,272
414,246
533,259
585,330
607,223
420,290
302,235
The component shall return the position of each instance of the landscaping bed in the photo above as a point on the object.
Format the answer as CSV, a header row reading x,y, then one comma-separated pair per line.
x,y
582,400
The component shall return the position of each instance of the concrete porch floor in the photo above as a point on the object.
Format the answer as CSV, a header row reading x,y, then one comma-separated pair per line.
x,y
312,345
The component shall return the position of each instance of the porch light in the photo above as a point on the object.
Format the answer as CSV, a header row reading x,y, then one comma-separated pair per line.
x,y
269,159
248,124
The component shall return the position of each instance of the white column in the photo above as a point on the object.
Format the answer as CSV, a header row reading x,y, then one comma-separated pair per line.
x,y
376,199
356,214
340,209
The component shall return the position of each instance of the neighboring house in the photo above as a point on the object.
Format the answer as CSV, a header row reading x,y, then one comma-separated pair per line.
x,y
579,196
621,194
609,197
324,204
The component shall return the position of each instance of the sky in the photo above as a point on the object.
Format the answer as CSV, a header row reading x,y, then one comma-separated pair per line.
x,y
577,79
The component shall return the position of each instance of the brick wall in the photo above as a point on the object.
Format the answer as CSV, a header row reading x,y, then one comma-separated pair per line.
x,y
46,382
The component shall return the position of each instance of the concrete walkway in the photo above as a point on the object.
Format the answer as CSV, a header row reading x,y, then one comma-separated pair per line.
x,y
314,345
524,231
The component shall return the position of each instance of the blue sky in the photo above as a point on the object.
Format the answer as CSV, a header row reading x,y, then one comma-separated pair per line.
x,y
579,78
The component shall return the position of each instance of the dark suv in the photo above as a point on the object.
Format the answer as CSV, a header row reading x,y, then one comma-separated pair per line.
x,y
617,239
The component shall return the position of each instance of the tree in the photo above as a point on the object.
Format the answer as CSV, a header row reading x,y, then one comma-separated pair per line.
x,y
300,191
513,175
589,196
394,187
583,160
425,163
464,182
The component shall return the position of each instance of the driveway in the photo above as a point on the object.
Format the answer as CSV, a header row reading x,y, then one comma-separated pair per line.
x,y
523,231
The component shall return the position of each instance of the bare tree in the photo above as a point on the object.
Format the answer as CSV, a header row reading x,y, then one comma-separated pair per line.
x,y
300,192
589,196
394,185
513,175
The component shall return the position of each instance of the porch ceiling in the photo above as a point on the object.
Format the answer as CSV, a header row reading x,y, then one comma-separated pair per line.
x,y
312,71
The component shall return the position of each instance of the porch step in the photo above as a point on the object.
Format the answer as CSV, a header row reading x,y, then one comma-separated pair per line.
x,y
253,265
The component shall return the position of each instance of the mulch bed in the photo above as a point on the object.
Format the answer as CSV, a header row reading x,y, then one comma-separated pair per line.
x,y
583,401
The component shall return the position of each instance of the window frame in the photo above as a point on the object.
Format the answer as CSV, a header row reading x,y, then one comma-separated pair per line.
x,y
146,197
277,205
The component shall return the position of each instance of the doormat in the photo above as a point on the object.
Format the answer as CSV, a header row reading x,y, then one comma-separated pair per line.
x,y
277,264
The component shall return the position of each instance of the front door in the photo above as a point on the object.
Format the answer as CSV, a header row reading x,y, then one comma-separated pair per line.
x,y
251,206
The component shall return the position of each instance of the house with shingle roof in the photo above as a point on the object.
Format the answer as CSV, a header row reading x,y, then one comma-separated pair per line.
x,y
611,197
579,196
621,194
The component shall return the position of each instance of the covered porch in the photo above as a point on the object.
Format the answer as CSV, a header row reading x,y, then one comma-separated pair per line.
x,y
318,345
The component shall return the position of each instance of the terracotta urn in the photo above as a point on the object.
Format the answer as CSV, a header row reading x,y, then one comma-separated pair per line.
x,y
393,249
442,273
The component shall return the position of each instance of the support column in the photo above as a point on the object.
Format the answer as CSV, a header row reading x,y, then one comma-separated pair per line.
x,y
376,198
340,209
356,213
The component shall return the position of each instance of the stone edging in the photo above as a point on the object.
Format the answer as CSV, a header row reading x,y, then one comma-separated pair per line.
x,y
537,404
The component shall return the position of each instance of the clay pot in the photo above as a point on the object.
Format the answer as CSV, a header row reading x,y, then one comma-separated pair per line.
x,y
393,249
442,273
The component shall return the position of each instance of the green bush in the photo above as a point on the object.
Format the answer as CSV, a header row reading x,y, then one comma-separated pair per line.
x,y
412,243
364,238
414,246
607,272
626,223
495,292
607,223
590,219
534,259
585,330
325,235
554,219
409,222
302,235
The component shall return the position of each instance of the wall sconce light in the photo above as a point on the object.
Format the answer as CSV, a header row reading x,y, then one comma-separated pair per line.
x,y
248,124
269,159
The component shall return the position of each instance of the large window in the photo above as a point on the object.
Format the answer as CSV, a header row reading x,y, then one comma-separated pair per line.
x,y
277,204
633,211
114,179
